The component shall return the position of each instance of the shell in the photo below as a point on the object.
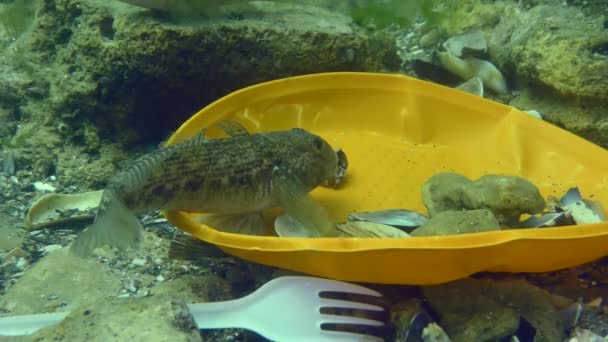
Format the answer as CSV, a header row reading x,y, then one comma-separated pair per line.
x,y
370,230
287,226
52,209
400,218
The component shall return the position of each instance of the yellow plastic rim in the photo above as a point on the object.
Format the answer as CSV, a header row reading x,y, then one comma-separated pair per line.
x,y
398,131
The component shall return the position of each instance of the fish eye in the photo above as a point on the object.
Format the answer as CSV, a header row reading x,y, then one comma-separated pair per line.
x,y
318,144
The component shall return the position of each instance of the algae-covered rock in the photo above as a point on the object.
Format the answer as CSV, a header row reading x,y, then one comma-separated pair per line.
x,y
445,191
507,197
546,46
156,318
122,66
57,282
487,310
458,222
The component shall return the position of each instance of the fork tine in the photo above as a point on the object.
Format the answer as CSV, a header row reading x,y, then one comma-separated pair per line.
x,y
346,304
334,319
337,335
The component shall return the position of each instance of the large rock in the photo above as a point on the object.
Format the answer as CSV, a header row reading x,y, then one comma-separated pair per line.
x,y
488,310
547,46
123,66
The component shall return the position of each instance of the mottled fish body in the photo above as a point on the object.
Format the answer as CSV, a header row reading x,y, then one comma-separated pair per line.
x,y
245,173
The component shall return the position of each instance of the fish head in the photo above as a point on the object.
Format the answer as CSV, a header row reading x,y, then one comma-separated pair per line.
x,y
316,162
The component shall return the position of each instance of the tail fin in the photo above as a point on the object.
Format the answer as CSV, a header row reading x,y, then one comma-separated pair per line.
x,y
115,225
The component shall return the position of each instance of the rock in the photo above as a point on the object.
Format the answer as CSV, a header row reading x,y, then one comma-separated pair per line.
x,y
138,262
71,280
445,191
506,196
50,248
484,309
562,53
120,66
458,222
430,38
122,319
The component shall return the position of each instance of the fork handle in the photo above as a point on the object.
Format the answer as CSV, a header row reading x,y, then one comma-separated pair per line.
x,y
216,315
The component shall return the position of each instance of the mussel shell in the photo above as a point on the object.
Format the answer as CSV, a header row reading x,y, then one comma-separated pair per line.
x,y
399,218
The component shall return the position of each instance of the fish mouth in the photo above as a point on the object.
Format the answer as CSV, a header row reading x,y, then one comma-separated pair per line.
x,y
340,170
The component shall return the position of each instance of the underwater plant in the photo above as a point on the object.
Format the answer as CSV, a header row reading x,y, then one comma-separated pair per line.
x,y
383,13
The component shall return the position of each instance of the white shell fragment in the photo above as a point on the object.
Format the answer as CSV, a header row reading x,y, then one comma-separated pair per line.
x,y
534,113
473,41
473,86
581,210
547,220
400,218
44,187
582,213
54,208
365,229
287,226
571,196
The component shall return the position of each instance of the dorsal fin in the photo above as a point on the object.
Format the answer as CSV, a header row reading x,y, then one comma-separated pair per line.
x,y
197,139
232,128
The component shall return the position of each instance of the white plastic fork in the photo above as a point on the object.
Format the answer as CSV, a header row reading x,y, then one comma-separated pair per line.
x,y
289,309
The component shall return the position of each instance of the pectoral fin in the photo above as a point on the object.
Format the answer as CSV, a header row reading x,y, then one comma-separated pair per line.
x,y
250,223
299,205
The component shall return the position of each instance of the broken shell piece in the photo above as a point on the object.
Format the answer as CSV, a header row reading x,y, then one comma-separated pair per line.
x,y
471,42
571,196
584,335
52,209
473,86
399,218
287,226
547,220
534,113
582,213
434,333
571,315
471,67
595,305
370,229
416,326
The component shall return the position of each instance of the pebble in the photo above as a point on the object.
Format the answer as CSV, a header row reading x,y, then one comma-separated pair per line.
x,y
44,187
138,262
160,278
50,248
21,263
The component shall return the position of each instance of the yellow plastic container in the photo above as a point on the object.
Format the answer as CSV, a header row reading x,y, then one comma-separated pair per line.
x,y
397,132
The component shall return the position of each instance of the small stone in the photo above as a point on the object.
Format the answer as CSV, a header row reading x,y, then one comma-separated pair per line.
x,y
160,278
138,262
50,248
44,187
458,222
21,263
